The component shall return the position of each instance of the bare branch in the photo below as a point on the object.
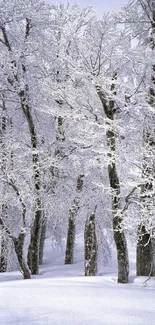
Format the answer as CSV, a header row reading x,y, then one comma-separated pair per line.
x,y
15,188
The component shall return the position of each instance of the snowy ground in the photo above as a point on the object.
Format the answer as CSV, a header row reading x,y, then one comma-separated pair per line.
x,y
61,295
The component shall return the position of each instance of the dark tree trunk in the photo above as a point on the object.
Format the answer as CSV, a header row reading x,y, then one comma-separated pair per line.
x,y
34,246
153,257
19,245
42,241
90,246
69,255
3,253
33,254
4,249
144,253
145,260
60,153
109,107
119,236
26,108
29,254
122,251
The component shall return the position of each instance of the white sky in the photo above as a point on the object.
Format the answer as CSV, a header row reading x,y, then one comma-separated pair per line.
x,y
100,6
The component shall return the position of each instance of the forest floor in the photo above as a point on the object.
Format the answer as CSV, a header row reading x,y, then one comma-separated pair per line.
x,y
61,295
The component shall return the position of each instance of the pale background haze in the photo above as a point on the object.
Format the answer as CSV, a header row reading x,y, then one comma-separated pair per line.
x,y
100,6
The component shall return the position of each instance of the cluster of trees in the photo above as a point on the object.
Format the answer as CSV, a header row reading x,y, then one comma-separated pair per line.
x,y
77,132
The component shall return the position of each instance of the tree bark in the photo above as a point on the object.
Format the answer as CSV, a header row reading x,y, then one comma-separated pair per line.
x,y
69,255
42,241
145,257
109,107
23,93
119,236
37,224
4,249
34,246
3,253
19,245
90,244
144,253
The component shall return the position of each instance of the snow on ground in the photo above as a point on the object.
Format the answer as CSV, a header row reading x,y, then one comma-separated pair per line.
x,y
61,295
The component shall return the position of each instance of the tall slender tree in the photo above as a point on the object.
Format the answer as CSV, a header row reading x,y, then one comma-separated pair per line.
x,y
4,249
109,107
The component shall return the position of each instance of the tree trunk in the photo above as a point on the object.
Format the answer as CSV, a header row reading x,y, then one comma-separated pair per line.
x,y
144,253
19,245
4,253
34,246
145,262
33,254
153,257
109,107
23,93
119,236
42,241
90,244
122,251
145,259
4,249
69,255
